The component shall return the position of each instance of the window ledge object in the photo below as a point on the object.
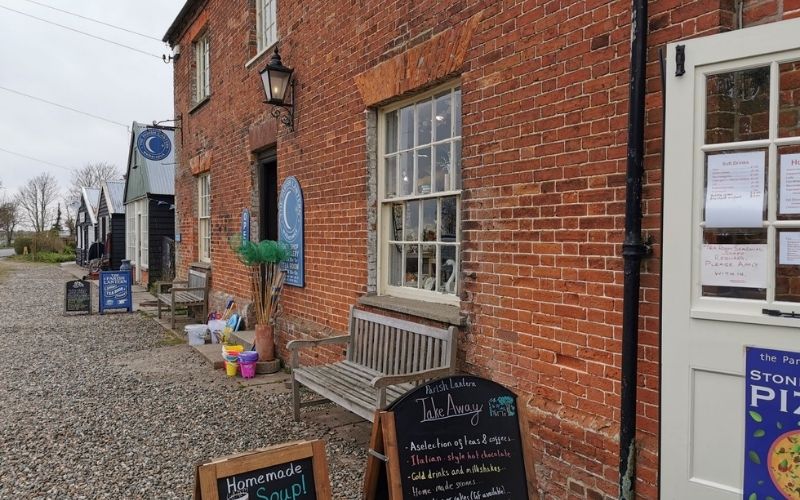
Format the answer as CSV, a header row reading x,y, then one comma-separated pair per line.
x,y
200,104
256,57
444,313
201,265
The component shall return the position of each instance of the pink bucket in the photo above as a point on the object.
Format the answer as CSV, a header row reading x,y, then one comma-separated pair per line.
x,y
248,370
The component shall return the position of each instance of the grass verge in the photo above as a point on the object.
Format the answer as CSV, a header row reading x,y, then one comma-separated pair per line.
x,y
45,257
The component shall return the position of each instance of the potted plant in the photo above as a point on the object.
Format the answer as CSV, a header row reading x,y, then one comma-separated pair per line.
x,y
264,259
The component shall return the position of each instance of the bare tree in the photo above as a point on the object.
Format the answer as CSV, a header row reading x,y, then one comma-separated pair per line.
x,y
35,201
9,218
91,175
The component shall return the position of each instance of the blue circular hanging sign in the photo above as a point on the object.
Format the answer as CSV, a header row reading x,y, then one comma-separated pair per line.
x,y
154,144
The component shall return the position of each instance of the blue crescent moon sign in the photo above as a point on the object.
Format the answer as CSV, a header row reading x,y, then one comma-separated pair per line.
x,y
154,144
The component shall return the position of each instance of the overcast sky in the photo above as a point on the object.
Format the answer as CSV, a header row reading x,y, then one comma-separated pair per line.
x,y
74,70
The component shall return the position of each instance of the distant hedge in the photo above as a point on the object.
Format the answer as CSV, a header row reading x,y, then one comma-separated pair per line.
x,y
42,242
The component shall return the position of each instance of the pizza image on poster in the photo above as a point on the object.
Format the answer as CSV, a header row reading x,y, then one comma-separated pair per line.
x,y
772,425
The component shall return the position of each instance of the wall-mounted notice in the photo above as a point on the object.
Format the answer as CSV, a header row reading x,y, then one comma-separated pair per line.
x,y
290,229
789,248
735,190
772,426
296,471
790,184
734,265
454,438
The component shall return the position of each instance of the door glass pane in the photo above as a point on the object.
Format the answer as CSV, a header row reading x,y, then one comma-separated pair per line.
x,y
787,270
412,266
789,183
737,106
733,263
789,113
735,189
423,170
447,268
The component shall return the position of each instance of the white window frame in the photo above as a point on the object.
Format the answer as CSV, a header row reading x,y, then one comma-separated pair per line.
x,y
145,243
204,218
266,24
202,67
130,231
385,219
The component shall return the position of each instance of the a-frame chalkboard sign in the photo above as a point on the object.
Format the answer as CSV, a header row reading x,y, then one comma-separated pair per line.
x,y
78,297
294,470
454,438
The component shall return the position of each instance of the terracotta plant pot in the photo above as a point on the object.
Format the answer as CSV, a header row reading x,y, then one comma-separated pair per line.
x,y
265,342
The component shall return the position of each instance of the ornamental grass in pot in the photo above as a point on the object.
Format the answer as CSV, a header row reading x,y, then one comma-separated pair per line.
x,y
266,278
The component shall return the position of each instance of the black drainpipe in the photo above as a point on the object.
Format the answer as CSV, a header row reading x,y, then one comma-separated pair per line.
x,y
633,249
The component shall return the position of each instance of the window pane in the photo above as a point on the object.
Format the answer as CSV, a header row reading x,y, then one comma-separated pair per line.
x,y
442,161
735,189
448,219
397,222
789,113
390,175
427,280
391,132
406,172
411,224
407,127
457,163
423,170
787,270
429,208
447,273
457,112
395,264
424,123
789,183
443,116
737,106
412,266
734,263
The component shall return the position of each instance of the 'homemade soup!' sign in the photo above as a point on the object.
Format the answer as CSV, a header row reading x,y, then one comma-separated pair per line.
x,y
295,471
456,438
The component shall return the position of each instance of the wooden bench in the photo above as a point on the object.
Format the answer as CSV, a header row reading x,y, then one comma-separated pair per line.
x,y
193,293
385,358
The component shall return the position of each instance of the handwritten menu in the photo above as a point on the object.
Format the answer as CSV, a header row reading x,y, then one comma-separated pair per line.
x,y
735,190
77,296
734,265
789,254
294,480
458,438
790,184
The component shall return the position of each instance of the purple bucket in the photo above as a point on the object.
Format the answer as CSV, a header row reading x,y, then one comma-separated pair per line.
x,y
247,369
248,357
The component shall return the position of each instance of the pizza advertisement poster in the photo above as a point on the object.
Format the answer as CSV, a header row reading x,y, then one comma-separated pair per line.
x,y
772,424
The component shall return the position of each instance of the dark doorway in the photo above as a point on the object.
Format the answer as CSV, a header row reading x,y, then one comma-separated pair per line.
x,y
268,196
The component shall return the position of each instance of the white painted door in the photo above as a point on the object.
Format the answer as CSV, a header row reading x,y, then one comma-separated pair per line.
x,y
731,119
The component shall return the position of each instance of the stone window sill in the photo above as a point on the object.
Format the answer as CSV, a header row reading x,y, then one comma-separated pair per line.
x,y
200,104
200,265
442,313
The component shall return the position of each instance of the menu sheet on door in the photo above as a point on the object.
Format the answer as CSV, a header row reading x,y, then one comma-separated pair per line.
x,y
790,184
735,190
734,265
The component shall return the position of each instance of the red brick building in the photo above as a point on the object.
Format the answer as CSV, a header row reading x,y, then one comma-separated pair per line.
x,y
462,162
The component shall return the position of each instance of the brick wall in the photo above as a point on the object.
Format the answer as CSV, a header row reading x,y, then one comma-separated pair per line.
x,y
545,100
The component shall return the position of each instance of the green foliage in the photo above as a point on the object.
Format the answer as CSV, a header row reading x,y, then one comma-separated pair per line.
x,y
46,257
263,252
22,242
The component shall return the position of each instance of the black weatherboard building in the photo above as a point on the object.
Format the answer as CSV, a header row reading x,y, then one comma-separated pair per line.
x,y
149,199
111,222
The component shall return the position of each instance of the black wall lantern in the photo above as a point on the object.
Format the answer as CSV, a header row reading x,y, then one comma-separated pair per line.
x,y
277,79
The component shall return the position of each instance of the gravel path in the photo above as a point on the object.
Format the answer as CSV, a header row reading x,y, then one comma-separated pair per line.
x,y
102,406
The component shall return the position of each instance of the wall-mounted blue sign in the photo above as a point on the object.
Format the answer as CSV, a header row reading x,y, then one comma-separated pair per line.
x,y
772,424
153,144
290,229
245,225
115,290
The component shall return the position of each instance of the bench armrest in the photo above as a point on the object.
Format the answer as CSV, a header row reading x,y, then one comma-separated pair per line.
x,y
296,345
386,380
159,285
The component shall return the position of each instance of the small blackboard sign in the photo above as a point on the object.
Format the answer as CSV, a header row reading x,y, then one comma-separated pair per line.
x,y
77,297
456,438
295,471
115,290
